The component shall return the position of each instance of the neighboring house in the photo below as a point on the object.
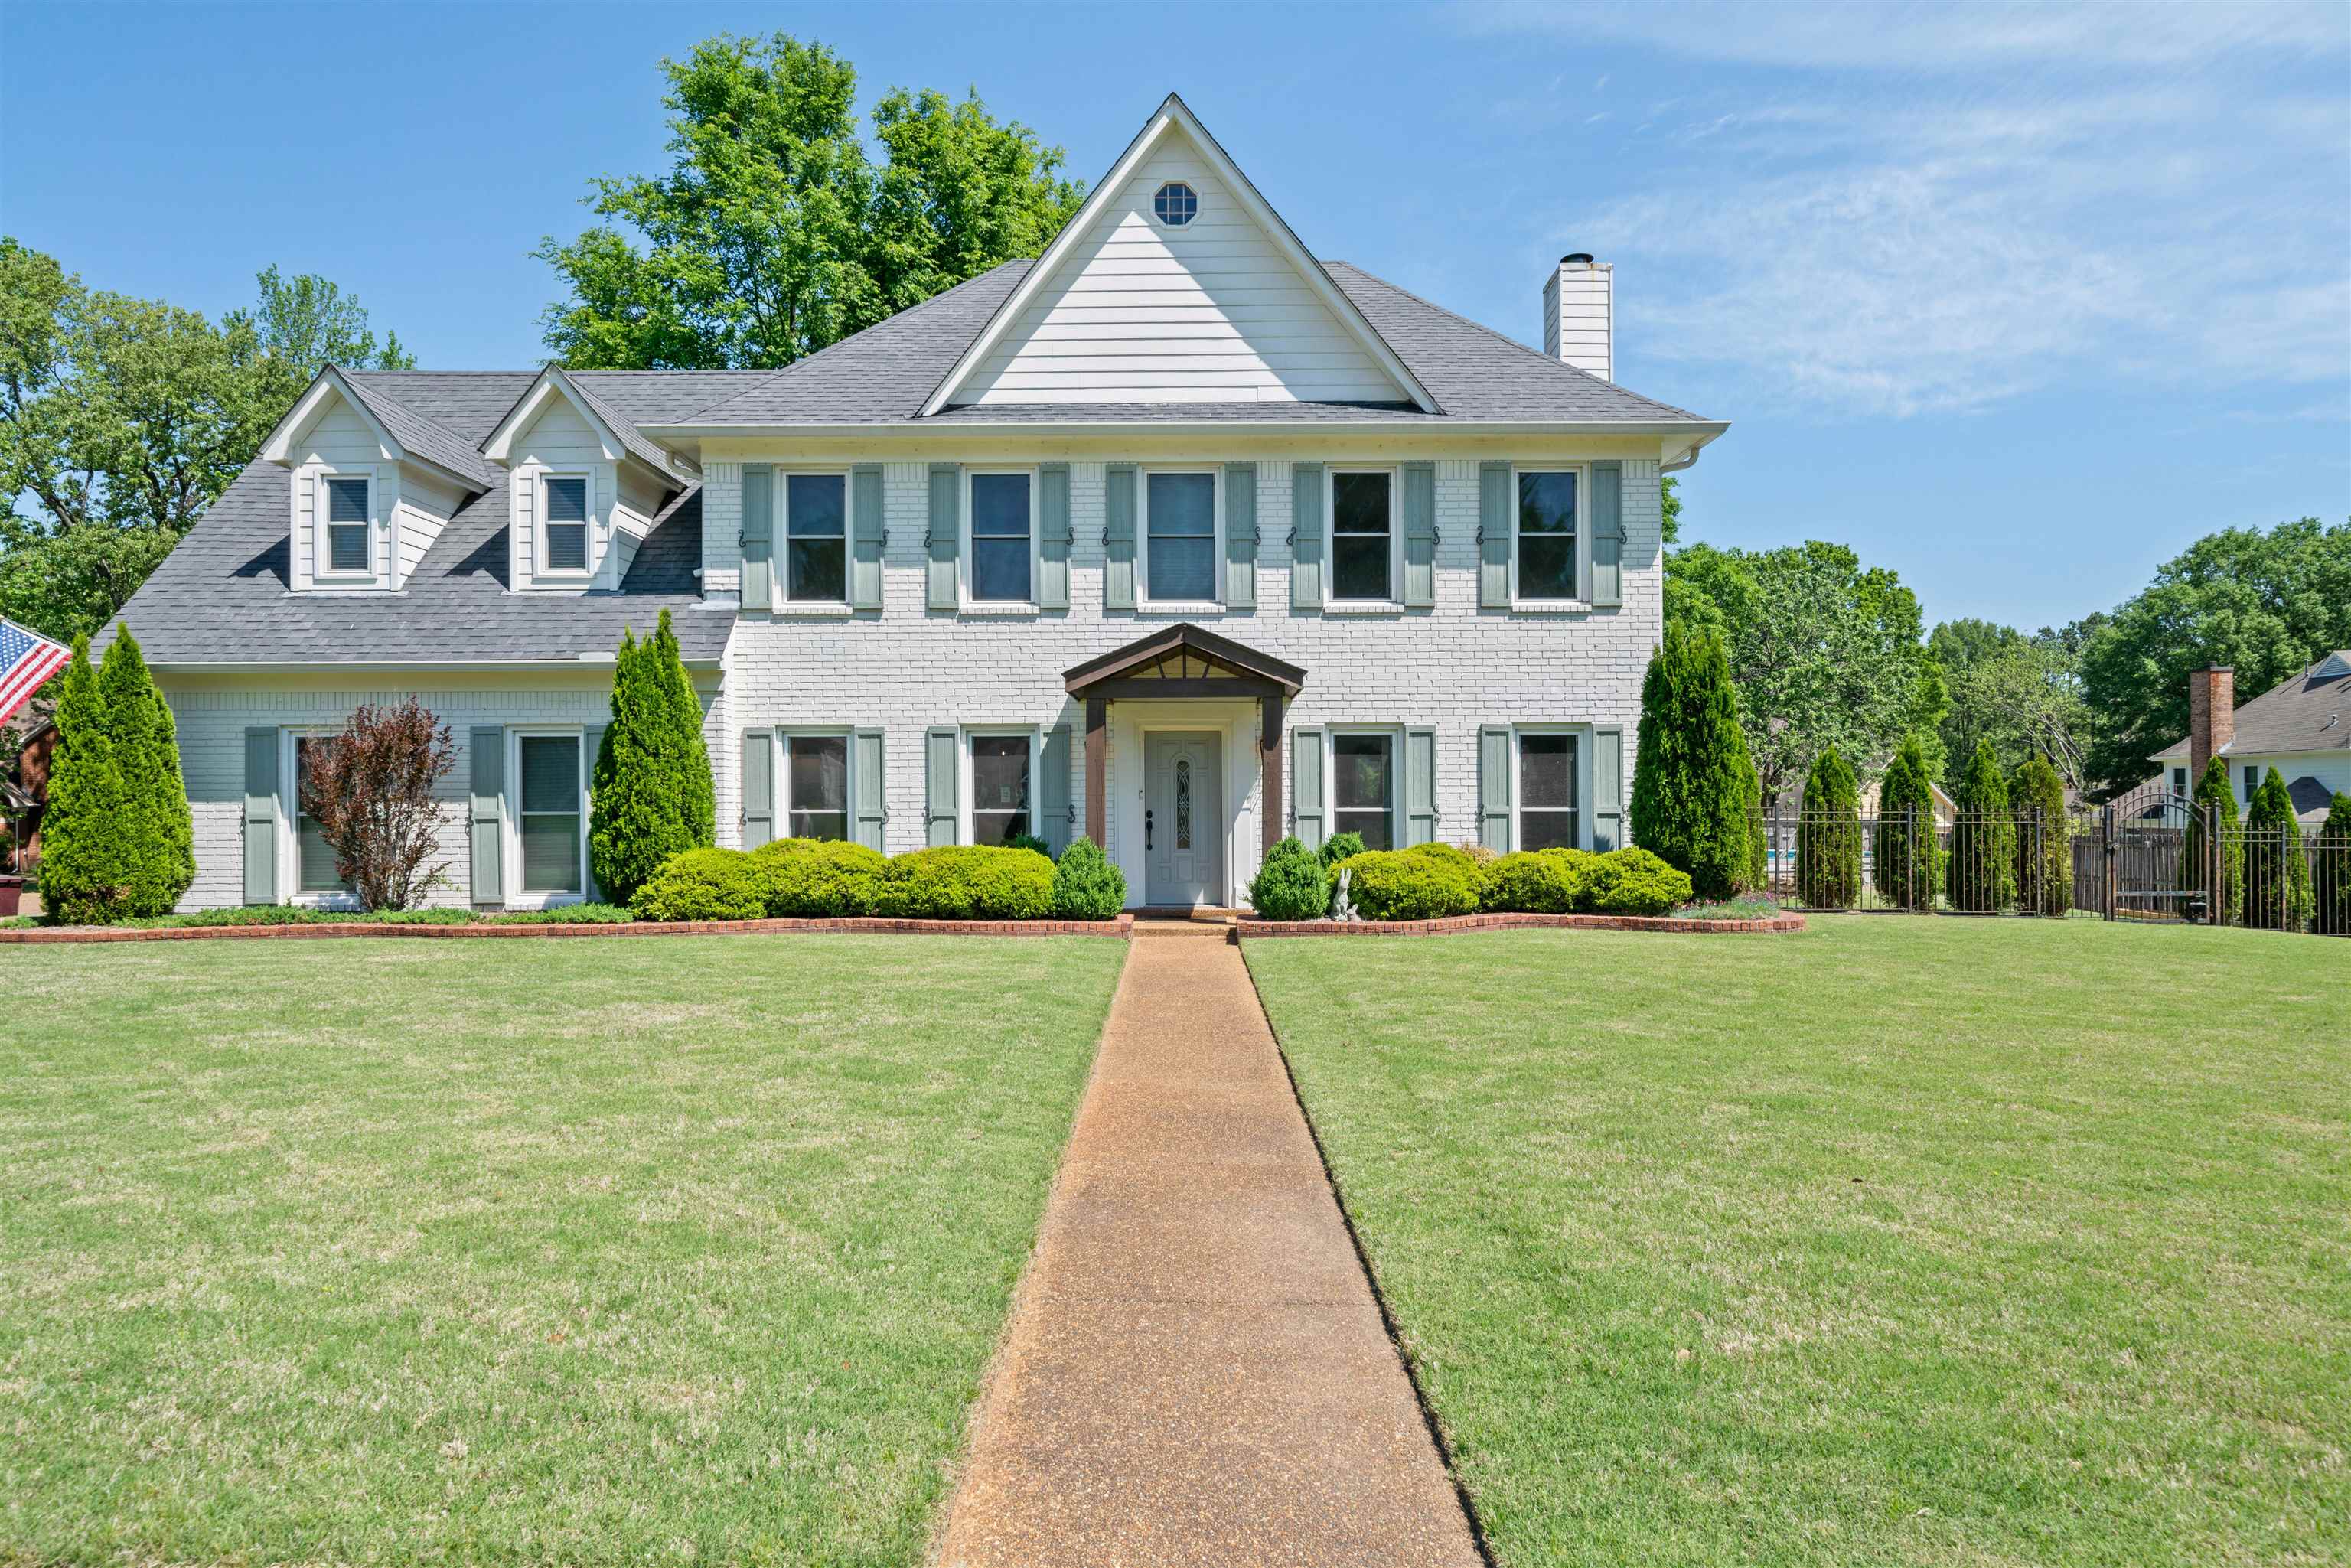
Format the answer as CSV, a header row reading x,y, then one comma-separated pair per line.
x,y
1177,536
1791,805
2302,728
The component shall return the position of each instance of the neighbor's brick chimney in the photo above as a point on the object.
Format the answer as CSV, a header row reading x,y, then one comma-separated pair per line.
x,y
2211,717
1579,314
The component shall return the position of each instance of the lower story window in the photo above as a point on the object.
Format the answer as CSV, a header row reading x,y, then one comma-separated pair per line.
x,y
999,786
549,813
816,784
1547,766
314,857
1362,788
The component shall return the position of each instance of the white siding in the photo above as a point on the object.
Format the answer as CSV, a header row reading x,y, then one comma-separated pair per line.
x,y
426,507
1579,317
558,441
337,441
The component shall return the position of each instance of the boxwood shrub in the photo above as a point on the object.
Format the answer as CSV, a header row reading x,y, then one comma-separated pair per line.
x,y
965,881
1410,884
704,884
1634,881
1086,886
817,878
1537,882
1291,885
1339,847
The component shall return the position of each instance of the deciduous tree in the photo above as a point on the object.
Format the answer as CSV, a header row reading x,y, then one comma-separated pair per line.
x,y
371,790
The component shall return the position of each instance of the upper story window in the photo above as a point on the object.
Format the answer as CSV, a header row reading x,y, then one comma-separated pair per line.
x,y
1547,529
1362,534
351,524
565,498
1175,204
816,512
1002,508
1179,558
2253,782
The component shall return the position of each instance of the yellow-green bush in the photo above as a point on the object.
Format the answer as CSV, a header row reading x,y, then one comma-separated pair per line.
x,y
1634,881
704,884
814,878
965,881
1411,884
1537,882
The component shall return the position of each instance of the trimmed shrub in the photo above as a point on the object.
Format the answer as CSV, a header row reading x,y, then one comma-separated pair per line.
x,y
2277,867
1086,886
650,795
562,914
1693,784
704,884
2333,880
817,878
2215,802
1828,836
1536,882
1635,881
1028,841
1406,884
1479,854
1339,847
1291,885
86,870
1450,855
965,881
1903,866
158,836
1983,839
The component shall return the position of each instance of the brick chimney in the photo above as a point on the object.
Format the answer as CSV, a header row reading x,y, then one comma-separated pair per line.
x,y
1579,314
2211,717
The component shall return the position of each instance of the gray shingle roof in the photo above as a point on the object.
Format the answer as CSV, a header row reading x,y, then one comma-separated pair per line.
x,y
2310,712
426,438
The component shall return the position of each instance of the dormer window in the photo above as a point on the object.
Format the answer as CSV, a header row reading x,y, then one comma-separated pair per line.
x,y
566,500
1175,204
351,522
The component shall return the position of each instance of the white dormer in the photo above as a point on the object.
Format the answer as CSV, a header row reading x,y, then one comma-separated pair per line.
x,y
365,505
581,497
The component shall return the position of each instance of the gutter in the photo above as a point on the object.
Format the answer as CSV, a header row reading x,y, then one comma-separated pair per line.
x,y
1702,431
598,661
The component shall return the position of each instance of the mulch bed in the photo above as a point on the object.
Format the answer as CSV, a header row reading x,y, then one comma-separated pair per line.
x,y
1451,923
40,934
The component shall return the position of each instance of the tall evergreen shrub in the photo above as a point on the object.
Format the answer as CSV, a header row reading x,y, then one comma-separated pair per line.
x,y
85,872
2215,803
2333,880
1983,840
652,795
1828,835
1693,788
1904,860
2044,853
158,837
2277,871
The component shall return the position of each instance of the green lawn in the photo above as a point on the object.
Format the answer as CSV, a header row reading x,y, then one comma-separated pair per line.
x,y
576,1251
1901,1241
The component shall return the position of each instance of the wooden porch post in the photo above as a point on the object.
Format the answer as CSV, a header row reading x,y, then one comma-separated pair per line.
x,y
1270,822
1097,761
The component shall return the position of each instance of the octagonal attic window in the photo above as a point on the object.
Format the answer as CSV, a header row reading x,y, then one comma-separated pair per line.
x,y
1175,204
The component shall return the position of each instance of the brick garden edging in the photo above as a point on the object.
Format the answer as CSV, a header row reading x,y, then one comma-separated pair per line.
x,y
42,935
1448,924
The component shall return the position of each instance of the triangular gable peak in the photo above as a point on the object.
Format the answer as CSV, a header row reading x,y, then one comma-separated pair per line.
x,y
552,386
2334,664
1212,300
328,392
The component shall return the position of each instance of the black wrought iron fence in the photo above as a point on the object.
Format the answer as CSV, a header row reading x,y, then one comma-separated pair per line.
x,y
2006,862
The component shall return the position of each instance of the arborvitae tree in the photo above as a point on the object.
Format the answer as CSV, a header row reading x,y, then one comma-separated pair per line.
x,y
1905,863
1692,782
2215,803
1983,839
1828,835
85,875
650,795
2333,879
2277,869
158,838
2044,852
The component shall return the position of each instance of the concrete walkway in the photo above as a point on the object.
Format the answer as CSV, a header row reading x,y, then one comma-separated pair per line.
x,y
1196,1371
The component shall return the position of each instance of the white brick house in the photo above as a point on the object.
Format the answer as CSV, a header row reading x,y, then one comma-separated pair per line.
x,y
1176,536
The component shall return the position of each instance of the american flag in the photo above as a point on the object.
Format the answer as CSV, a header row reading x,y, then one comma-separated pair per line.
x,y
26,659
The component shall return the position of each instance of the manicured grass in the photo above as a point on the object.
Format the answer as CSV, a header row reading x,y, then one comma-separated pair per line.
x,y
1898,1240
515,1251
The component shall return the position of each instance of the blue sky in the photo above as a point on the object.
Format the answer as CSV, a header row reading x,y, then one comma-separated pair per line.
x,y
2018,300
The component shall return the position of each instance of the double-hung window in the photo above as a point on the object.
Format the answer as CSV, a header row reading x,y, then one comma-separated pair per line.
x,y
351,524
2253,782
564,497
999,786
1179,560
1547,529
816,785
816,542
1362,788
1362,535
1547,763
549,813
314,858
1003,538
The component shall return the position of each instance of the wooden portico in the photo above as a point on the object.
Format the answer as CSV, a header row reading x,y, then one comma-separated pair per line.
x,y
1184,662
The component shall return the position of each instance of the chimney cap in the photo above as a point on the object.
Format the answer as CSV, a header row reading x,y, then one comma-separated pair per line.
x,y
1583,256
2220,669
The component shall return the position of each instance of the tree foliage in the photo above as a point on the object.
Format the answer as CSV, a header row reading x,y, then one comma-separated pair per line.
x,y
2020,693
2333,884
155,834
371,790
2044,852
2277,869
2223,884
1983,839
650,795
1905,860
85,871
1828,835
1693,782
774,234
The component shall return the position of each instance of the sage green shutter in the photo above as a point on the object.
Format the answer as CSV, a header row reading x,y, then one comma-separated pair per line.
x,y
1306,536
1419,535
488,746
944,537
1497,534
1608,789
1306,786
941,759
758,535
1118,536
1608,533
1053,536
1054,789
759,787
261,814
591,745
1494,787
865,537
1240,536
872,789
1419,786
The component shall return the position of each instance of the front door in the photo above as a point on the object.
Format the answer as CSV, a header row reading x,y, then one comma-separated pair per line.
x,y
1183,820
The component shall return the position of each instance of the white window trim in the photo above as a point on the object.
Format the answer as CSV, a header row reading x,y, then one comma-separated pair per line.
x,y
964,558
1393,603
1581,601
779,769
510,809
321,543
1154,205
1395,733
589,554
966,801
1585,812
1215,603
781,563
289,888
